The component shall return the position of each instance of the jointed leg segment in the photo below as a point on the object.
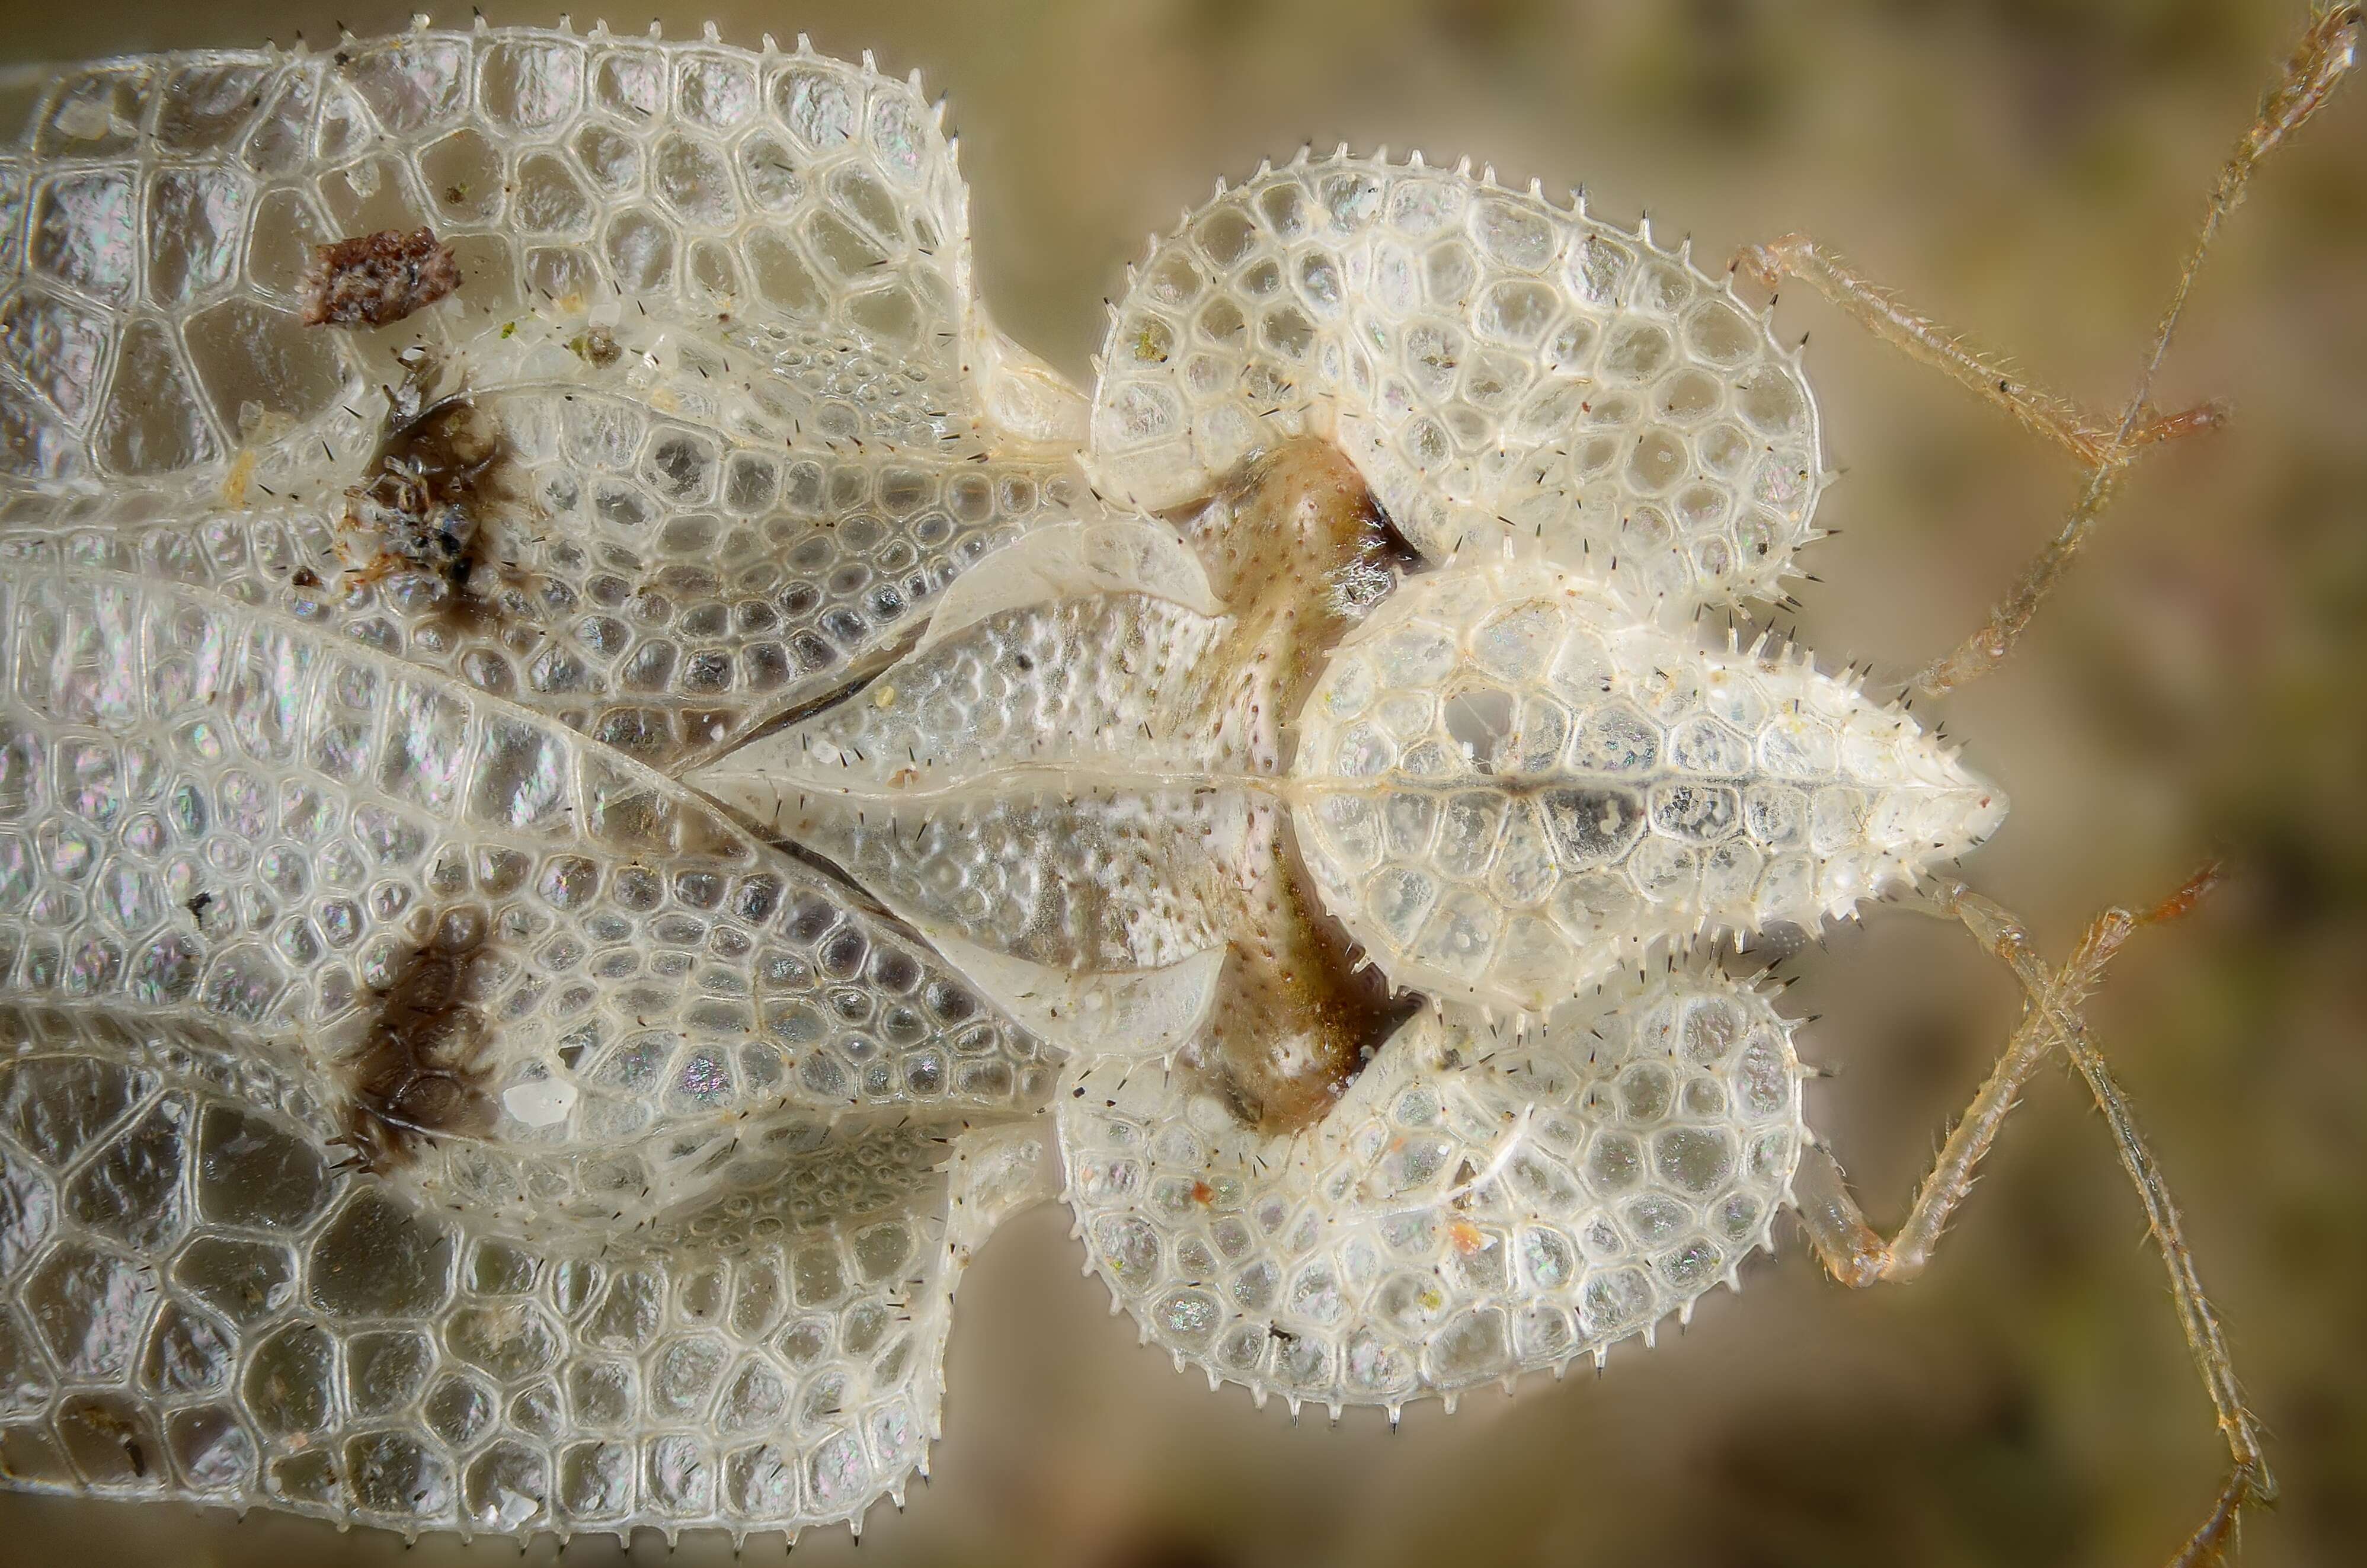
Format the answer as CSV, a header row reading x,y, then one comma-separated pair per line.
x,y
1855,1254
2249,1479
1990,377
1849,1247
2327,51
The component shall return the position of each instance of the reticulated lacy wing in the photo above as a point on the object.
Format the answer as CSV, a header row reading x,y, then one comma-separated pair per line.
x,y
1083,657
195,1304
160,212
716,306
659,586
533,978
1475,1206
1497,366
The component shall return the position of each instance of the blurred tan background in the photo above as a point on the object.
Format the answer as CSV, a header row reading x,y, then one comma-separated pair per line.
x,y
2026,169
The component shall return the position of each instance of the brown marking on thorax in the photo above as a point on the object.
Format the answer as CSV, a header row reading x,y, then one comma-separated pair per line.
x,y
1298,549
1295,546
419,1073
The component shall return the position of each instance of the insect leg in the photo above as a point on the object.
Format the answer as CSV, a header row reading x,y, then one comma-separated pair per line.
x,y
1856,1255
1988,375
2249,1479
1849,1248
2325,55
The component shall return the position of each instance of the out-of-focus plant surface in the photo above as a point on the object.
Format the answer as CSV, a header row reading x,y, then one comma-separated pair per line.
x,y
2030,169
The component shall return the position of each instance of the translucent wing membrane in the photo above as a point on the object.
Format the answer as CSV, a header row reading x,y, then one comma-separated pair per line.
x,y
713,308
161,213
414,1107
1496,367
1478,1205
272,876
474,923
199,1306
657,584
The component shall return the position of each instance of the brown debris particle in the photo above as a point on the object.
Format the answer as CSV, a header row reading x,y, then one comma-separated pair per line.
x,y
597,346
419,1073
112,1426
373,279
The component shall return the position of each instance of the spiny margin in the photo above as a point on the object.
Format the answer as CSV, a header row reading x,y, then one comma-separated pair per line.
x,y
1491,362
1478,1205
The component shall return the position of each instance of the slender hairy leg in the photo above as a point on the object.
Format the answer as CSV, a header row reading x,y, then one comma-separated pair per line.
x,y
2249,1479
1849,1247
2325,55
1856,1255
2087,438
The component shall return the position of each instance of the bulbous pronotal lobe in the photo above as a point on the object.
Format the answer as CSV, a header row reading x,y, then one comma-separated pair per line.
x,y
1508,783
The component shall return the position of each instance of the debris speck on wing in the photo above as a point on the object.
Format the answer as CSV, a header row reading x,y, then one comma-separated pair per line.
x,y
416,1076
421,506
371,280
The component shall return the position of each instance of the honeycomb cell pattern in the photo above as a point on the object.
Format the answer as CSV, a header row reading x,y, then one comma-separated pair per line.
x,y
160,212
354,881
565,858
771,247
1497,366
1478,1205
660,588
204,1307
670,1004
980,786
1510,782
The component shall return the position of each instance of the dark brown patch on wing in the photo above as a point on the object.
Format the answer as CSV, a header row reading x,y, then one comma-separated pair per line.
x,y
419,1073
370,280
424,503
597,346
